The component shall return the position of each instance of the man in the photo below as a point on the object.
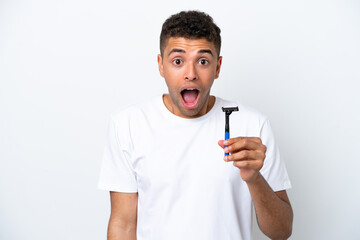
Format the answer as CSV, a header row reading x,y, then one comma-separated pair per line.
x,y
167,176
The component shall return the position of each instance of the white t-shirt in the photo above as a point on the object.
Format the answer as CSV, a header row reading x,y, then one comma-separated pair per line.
x,y
185,189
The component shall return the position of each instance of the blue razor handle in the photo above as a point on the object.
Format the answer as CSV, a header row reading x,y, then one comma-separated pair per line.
x,y
228,111
227,136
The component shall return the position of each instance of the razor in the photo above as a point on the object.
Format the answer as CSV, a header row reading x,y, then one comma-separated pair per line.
x,y
228,111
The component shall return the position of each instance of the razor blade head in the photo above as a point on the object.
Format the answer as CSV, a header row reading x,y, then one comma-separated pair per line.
x,y
229,110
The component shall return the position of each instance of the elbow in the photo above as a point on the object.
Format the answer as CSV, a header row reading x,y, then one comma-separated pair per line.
x,y
281,236
286,226
124,228
284,233
279,231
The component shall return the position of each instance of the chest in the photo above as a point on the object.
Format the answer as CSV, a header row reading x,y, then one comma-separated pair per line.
x,y
183,158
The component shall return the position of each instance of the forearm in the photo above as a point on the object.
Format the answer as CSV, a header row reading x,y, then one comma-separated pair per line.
x,y
274,215
119,231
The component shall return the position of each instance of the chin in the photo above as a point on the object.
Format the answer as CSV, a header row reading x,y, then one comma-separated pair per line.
x,y
190,112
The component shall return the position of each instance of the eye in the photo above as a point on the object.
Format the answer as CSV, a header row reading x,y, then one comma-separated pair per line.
x,y
203,61
177,61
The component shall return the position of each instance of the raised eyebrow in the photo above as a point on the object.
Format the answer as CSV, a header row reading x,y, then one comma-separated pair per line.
x,y
206,51
176,50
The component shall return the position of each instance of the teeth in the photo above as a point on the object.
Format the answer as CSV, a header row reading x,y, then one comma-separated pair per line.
x,y
190,89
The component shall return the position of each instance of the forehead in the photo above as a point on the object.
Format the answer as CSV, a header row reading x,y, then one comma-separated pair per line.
x,y
188,45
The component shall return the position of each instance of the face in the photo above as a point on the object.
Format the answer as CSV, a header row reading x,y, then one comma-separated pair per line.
x,y
189,67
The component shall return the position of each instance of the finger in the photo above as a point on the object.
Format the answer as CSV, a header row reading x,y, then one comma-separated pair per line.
x,y
231,141
221,143
244,144
255,165
245,155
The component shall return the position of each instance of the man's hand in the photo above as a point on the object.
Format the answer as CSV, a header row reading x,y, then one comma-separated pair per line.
x,y
273,210
246,153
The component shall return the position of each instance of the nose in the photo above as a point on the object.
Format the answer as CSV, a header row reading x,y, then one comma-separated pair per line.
x,y
190,72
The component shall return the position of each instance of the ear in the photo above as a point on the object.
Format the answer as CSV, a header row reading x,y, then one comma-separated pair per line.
x,y
218,66
160,64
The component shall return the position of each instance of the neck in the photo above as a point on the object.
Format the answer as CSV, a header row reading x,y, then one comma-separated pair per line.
x,y
210,104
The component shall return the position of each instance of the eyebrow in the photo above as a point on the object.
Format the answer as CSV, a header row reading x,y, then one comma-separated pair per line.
x,y
206,51
176,50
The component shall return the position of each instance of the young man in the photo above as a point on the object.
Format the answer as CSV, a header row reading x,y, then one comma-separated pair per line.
x,y
164,163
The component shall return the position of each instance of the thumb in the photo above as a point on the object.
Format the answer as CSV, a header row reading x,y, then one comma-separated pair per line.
x,y
221,143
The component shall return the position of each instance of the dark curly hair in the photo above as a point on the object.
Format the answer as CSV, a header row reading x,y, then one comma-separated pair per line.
x,y
191,25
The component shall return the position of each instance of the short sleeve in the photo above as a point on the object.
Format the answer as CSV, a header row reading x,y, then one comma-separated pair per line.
x,y
273,170
117,173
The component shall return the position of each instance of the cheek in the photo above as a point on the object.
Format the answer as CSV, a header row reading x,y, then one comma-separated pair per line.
x,y
171,83
209,72
208,77
172,78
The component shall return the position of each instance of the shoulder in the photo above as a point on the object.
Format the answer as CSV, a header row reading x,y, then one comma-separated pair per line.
x,y
127,121
134,111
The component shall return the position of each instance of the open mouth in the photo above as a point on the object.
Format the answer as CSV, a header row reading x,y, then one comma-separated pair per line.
x,y
190,97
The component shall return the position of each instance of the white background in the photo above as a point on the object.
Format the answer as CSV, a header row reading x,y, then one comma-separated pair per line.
x,y
66,65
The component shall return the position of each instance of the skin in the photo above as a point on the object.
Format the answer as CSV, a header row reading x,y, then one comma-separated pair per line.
x,y
189,63
273,209
193,63
123,217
